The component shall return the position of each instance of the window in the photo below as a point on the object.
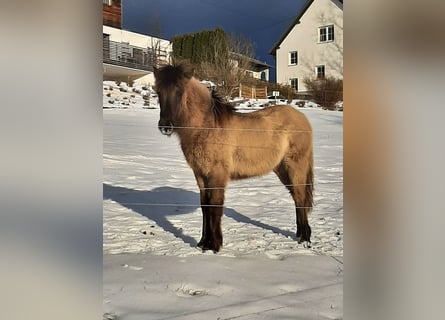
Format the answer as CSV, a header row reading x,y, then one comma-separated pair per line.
x,y
294,83
293,58
320,72
326,34
263,76
107,2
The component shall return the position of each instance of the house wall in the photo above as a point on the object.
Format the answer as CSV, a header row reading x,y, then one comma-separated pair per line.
x,y
303,38
254,74
112,13
257,74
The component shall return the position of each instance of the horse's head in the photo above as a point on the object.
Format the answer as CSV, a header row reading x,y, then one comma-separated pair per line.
x,y
170,84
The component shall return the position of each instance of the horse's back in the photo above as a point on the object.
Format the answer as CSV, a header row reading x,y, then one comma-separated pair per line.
x,y
260,140
285,118
292,129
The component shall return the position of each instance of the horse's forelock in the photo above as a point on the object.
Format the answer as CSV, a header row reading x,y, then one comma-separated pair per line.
x,y
173,75
171,82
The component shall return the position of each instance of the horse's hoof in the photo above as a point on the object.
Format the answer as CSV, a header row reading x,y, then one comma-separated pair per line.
x,y
204,245
307,244
303,234
208,246
205,248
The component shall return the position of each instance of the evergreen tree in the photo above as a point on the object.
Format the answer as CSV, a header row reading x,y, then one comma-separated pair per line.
x,y
177,46
205,46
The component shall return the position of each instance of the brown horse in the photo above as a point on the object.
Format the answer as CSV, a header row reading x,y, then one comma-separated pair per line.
x,y
221,145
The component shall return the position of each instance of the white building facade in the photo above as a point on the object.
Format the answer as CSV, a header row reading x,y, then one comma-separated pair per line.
x,y
312,46
130,56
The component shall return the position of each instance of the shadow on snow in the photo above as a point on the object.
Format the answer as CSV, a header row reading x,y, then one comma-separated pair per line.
x,y
159,203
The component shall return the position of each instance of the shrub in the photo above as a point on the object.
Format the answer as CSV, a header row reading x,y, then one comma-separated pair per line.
x,y
325,92
285,90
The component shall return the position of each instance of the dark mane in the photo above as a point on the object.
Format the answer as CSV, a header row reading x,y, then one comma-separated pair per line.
x,y
221,108
172,75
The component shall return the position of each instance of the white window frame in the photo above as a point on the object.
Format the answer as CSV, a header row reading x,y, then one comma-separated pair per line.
x,y
317,73
293,58
107,2
295,87
326,34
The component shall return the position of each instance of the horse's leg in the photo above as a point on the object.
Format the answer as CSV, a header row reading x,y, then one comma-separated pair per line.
x,y
303,189
214,202
204,202
302,210
298,180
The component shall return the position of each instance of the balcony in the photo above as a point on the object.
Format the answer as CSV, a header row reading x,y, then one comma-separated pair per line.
x,y
123,54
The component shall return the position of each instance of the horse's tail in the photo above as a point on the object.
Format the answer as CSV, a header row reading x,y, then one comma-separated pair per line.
x,y
309,192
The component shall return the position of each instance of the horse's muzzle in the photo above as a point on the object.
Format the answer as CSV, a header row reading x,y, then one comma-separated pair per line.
x,y
166,129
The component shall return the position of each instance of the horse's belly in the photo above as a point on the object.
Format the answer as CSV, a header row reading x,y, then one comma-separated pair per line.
x,y
252,163
240,158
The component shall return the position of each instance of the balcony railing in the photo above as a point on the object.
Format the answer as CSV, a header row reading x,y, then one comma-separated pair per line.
x,y
126,55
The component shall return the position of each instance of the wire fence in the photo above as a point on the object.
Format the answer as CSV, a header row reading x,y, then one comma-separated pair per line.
x,y
338,191
250,188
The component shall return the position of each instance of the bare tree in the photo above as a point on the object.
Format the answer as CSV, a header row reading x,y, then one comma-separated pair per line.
x,y
155,52
230,65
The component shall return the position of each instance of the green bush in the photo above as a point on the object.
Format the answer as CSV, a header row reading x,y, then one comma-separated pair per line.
x,y
204,46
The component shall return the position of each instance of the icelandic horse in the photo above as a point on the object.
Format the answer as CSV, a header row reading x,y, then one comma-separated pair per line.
x,y
221,145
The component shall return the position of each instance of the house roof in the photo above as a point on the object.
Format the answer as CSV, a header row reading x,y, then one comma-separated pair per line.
x,y
296,21
255,64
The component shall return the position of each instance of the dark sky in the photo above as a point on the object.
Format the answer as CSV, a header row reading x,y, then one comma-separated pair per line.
x,y
261,21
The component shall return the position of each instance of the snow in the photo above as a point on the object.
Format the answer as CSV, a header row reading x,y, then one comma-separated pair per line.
x,y
152,222
208,84
216,287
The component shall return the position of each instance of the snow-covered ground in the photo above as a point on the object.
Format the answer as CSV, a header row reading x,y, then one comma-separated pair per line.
x,y
152,222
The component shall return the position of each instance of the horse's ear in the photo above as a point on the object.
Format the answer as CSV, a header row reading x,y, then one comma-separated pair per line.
x,y
189,71
155,71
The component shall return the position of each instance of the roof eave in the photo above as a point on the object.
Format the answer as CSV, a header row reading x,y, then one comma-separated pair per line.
x,y
296,21
273,51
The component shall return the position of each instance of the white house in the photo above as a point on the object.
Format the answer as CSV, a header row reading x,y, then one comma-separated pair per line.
x,y
255,68
312,46
130,56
